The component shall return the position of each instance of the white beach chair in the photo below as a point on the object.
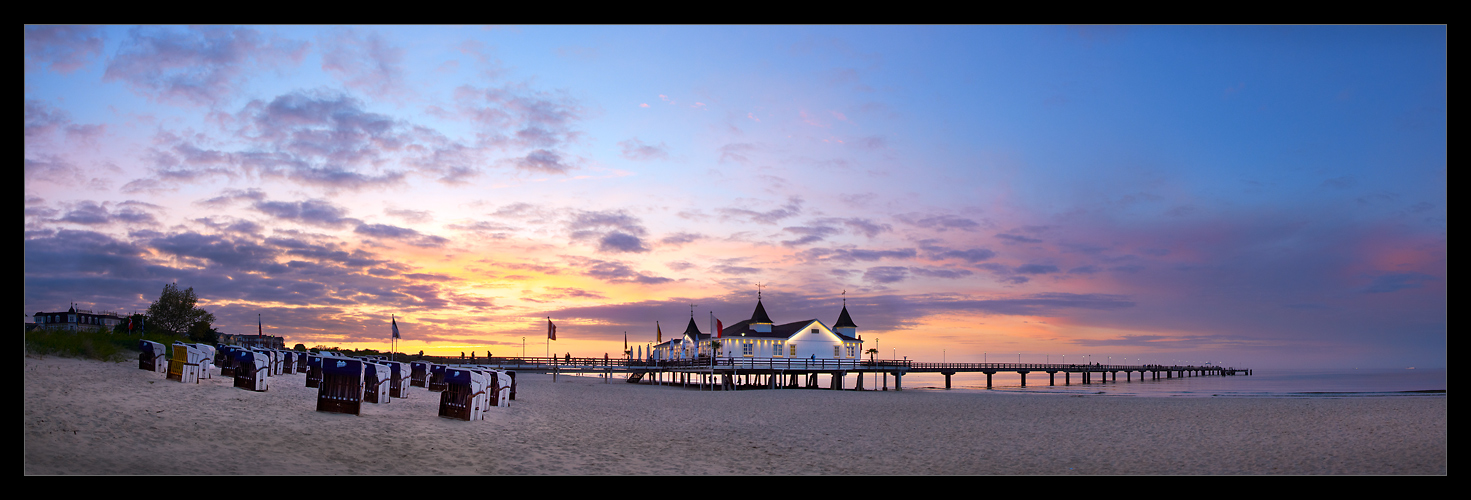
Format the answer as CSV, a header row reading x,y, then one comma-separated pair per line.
x,y
376,380
398,376
275,361
341,387
463,395
184,364
502,395
251,370
154,357
288,362
206,355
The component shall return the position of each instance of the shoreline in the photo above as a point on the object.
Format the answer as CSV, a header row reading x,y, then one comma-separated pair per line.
x,y
94,417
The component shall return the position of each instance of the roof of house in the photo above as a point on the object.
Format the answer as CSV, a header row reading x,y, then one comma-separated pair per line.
x,y
844,320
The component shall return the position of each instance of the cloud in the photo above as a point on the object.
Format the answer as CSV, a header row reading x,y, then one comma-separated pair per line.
x,y
939,222
365,63
615,272
543,161
197,65
1396,282
311,212
62,49
221,252
737,152
1036,269
514,116
846,255
941,273
635,149
403,234
886,274
414,216
1012,238
681,238
809,234
615,231
90,213
232,195
792,208
972,255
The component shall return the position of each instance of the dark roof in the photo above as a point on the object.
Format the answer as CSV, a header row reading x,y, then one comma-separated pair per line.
x,y
844,320
760,315
692,330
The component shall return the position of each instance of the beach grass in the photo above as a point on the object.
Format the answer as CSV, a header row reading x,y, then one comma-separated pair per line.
x,y
89,344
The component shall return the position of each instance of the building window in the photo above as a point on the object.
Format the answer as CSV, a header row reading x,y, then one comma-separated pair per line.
x,y
776,348
850,351
814,330
746,349
835,351
794,349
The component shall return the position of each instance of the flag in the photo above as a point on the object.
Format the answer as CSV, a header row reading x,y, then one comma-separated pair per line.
x,y
130,324
625,341
261,330
395,327
551,330
658,334
719,327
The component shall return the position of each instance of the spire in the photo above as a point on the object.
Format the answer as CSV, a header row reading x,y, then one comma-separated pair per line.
x,y
760,315
693,330
844,320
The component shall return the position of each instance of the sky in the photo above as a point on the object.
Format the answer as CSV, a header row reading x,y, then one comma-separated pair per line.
x,y
1254,196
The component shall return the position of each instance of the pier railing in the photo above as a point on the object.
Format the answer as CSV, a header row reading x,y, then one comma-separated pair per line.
x,y
792,364
617,364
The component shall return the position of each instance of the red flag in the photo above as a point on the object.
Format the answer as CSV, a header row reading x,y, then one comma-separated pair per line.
x,y
551,330
719,327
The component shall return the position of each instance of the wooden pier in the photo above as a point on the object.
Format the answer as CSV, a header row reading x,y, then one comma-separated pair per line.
x,y
734,373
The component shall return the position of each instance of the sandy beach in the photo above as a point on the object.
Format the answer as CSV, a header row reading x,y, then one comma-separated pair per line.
x,y
93,417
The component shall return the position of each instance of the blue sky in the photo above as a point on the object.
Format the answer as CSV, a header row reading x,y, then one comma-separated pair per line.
x,y
1260,195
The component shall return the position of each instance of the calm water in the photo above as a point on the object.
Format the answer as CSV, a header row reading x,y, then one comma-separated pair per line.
x,y
1262,383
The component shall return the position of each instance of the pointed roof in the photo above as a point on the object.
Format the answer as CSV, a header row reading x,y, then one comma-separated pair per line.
x,y
693,331
844,320
760,315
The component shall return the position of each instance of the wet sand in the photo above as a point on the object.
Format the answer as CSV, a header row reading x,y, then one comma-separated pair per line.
x,y
93,417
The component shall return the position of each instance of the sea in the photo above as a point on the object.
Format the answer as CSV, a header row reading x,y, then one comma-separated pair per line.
x,y
1285,383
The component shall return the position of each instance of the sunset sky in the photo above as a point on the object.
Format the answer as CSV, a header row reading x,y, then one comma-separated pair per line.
x,y
1253,196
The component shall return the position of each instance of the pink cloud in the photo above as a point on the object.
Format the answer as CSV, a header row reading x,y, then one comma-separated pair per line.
x,y
367,64
198,66
64,49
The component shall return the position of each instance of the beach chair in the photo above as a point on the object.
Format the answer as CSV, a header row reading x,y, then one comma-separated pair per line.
x,y
376,378
500,389
313,370
288,362
251,370
463,394
182,366
275,357
225,359
419,374
512,374
341,388
301,362
436,378
153,357
206,358
398,385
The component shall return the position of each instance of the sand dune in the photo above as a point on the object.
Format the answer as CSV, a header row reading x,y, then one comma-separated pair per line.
x,y
91,417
